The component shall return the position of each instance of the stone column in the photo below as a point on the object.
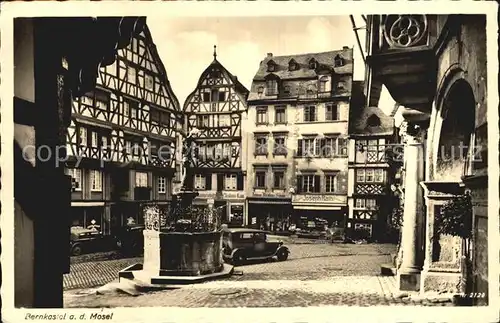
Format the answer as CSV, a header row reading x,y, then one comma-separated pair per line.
x,y
409,270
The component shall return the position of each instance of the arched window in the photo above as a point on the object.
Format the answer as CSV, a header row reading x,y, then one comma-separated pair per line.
x,y
373,121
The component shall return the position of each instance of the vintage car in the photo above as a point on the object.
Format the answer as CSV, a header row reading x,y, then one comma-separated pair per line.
x,y
242,244
129,239
83,240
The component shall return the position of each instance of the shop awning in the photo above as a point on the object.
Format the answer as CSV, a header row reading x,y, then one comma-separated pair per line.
x,y
85,204
316,207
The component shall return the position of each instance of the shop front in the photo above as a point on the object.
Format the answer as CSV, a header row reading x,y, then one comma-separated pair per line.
x,y
230,204
270,214
330,210
90,214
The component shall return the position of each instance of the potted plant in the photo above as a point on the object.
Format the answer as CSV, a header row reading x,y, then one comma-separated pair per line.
x,y
455,219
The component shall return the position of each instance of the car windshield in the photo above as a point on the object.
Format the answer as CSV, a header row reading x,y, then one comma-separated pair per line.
x,y
260,237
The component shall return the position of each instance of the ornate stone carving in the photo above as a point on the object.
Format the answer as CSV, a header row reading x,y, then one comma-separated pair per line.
x,y
403,31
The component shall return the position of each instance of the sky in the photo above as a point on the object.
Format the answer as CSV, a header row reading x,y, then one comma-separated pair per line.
x,y
186,44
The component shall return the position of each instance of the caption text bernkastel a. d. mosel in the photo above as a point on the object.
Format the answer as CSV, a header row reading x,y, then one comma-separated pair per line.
x,y
67,316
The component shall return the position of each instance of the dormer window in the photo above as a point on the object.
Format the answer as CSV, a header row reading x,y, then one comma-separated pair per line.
x,y
338,61
286,90
271,66
313,64
373,121
293,66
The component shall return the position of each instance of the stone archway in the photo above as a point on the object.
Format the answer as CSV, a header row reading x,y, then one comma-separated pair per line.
x,y
454,128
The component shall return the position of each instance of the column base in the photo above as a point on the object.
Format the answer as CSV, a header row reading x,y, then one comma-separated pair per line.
x,y
439,281
408,282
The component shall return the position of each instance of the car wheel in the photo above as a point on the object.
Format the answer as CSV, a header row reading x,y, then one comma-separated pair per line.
x,y
238,259
76,250
282,255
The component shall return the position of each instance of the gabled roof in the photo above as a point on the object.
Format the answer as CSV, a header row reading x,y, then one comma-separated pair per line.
x,y
359,114
159,64
239,87
325,60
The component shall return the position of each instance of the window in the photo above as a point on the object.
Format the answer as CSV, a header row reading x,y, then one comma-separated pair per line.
x,y
313,64
199,182
133,112
340,85
149,82
339,61
165,118
323,84
162,184
311,89
286,90
279,146
378,176
279,179
365,203
95,139
261,145
224,120
308,183
292,66
126,109
102,100
272,87
271,67
330,183
203,121
360,175
141,179
332,112
128,147
261,115
214,96
76,178
206,96
104,141
330,147
96,180
280,115
369,175
342,146
83,136
131,74
226,151
222,96
310,113
309,147
154,115
260,179
230,182
260,91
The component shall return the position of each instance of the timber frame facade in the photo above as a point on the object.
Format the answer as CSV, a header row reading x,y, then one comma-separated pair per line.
x,y
217,108
125,134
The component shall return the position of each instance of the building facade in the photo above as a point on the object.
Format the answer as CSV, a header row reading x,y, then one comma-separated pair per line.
x,y
374,160
443,107
121,141
216,108
297,139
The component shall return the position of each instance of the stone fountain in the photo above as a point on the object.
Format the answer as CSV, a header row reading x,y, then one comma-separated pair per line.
x,y
181,246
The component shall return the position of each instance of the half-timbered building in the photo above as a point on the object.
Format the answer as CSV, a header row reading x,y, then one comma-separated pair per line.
x,y
297,134
122,139
216,109
373,164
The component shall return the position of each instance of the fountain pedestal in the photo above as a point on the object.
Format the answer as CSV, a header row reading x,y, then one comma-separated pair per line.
x,y
173,257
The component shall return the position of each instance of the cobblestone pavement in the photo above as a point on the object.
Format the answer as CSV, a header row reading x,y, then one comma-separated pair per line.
x,y
314,275
92,274
306,261
339,291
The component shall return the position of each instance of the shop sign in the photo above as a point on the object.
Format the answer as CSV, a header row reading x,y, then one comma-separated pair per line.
x,y
319,198
233,195
206,194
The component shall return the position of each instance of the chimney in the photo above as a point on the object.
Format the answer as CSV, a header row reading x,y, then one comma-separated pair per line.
x,y
345,47
269,55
